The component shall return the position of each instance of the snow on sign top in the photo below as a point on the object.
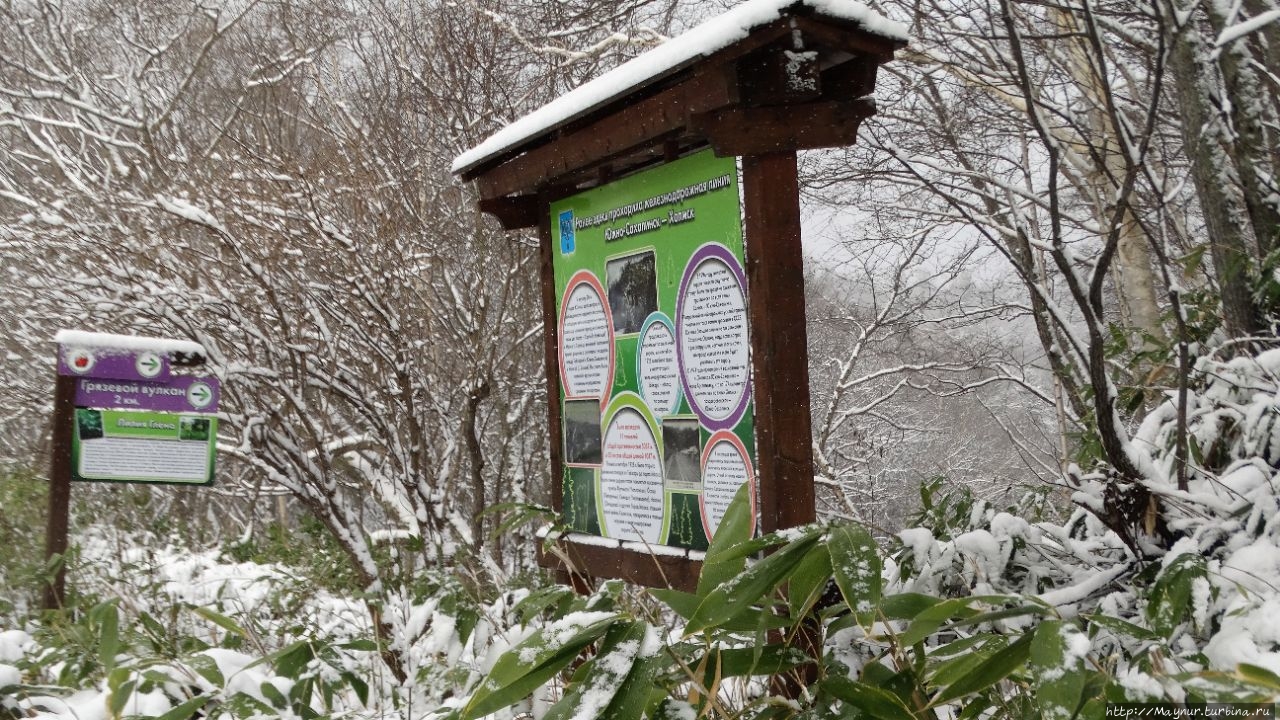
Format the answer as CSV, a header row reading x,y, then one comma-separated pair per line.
x,y
126,343
715,34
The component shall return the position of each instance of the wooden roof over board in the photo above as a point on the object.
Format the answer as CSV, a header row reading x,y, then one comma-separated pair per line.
x,y
797,74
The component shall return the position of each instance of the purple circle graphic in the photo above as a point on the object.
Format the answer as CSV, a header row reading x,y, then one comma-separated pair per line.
x,y
712,340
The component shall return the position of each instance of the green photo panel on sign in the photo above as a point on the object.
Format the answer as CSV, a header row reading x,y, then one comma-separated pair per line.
x,y
654,353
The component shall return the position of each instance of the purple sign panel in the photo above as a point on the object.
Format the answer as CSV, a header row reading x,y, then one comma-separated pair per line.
x,y
113,364
182,394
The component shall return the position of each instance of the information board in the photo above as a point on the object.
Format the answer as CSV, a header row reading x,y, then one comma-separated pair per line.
x,y
132,418
654,353
132,446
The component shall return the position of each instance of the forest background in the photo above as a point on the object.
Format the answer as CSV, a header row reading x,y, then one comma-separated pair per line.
x,y
1057,231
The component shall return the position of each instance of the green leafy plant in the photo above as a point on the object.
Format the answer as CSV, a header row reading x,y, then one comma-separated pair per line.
x,y
23,509
803,625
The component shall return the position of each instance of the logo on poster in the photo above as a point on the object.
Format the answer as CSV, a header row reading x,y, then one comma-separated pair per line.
x,y
566,232
80,361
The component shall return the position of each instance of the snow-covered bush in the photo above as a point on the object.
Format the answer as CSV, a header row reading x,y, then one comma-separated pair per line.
x,y
980,611
178,633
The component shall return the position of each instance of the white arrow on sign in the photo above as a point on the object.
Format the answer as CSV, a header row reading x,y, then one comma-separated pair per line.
x,y
148,364
200,395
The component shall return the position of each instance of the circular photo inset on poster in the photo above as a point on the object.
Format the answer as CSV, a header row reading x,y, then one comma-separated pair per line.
x,y
586,338
658,366
711,336
726,465
632,497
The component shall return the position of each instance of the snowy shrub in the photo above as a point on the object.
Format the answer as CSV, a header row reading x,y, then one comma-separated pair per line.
x,y
22,512
188,633
979,611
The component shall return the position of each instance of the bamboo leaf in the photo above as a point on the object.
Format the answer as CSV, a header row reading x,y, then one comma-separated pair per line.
x,y
600,681
905,606
721,563
745,662
988,672
949,671
927,621
750,586
120,697
873,701
1121,627
220,620
1002,614
1171,593
533,661
108,635
1258,676
682,603
207,668
855,561
809,581
1060,677
186,709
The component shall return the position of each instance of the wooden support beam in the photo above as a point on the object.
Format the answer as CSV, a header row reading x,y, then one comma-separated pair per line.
x,y
779,76
853,79
514,212
847,38
56,530
550,355
660,571
647,123
780,366
764,130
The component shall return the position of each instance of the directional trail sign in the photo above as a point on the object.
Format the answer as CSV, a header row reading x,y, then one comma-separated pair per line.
x,y
112,363
136,420
122,414
181,393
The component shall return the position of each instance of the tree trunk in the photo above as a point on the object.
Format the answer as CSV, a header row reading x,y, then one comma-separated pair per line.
x,y
475,457
1251,146
1232,243
1135,281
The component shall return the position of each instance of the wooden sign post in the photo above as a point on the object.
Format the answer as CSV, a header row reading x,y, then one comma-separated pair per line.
x,y
667,203
121,415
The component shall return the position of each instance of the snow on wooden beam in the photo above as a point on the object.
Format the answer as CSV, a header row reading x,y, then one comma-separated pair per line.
x,y
762,52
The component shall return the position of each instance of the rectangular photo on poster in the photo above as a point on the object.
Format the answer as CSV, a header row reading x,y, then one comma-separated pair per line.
x,y
633,290
681,453
89,423
582,432
193,428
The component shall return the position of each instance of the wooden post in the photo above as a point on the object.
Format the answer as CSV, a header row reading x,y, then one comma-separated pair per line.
x,y
780,358
55,539
780,365
550,356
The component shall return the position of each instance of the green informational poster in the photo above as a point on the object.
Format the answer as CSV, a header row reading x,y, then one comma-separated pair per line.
x,y
149,447
654,353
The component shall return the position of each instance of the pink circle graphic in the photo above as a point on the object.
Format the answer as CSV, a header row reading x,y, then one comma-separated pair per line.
x,y
726,465
586,330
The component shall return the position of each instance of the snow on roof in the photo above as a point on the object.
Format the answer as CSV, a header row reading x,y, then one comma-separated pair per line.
x,y
715,34
81,338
